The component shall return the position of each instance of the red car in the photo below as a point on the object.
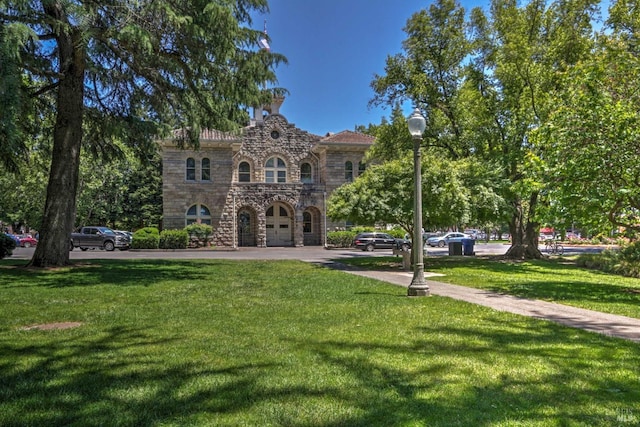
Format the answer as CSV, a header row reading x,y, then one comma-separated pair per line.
x,y
27,241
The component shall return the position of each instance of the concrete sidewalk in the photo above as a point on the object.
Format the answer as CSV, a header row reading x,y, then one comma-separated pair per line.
x,y
607,324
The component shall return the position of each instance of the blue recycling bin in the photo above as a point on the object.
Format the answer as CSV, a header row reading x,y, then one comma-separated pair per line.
x,y
467,246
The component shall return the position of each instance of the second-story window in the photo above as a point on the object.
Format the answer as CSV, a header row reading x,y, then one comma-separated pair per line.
x,y
206,170
305,173
348,171
275,170
244,172
191,169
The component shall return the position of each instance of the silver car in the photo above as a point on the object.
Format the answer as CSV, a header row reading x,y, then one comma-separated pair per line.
x,y
442,241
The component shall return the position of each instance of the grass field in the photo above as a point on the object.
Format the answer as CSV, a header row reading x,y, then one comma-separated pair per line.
x,y
257,343
556,279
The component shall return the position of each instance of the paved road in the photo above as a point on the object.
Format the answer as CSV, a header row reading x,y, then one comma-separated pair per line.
x,y
612,325
308,253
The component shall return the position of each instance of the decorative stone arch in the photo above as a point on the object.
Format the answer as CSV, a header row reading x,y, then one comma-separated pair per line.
x,y
280,222
312,226
247,226
292,166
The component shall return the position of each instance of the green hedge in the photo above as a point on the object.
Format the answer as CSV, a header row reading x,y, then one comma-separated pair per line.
x,y
7,245
340,239
624,261
146,238
174,239
199,234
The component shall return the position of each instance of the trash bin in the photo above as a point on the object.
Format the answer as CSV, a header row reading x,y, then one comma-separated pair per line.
x,y
455,248
467,246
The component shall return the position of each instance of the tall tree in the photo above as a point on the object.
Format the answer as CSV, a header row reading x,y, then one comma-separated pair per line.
x,y
127,70
484,84
591,138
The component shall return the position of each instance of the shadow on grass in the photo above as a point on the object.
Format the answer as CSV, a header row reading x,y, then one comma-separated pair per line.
x,y
459,364
80,382
559,282
107,272
563,393
85,382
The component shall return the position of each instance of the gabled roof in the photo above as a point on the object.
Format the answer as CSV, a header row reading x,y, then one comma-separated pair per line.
x,y
348,137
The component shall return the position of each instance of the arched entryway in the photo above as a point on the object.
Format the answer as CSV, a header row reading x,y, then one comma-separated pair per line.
x,y
246,227
279,223
311,226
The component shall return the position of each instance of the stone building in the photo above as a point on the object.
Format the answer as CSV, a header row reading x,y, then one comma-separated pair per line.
x,y
264,186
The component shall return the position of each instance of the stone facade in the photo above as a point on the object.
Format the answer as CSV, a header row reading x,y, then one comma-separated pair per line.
x,y
265,186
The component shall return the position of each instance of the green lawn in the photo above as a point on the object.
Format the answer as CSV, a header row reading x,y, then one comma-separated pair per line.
x,y
558,280
257,343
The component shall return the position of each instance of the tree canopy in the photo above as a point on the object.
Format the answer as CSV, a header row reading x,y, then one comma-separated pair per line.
x,y
455,193
484,81
124,71
591,138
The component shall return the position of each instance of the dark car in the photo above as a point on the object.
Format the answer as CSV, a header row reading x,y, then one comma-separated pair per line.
x,y
127,236
372,241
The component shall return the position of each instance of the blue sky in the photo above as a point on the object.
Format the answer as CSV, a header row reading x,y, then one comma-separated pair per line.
x,y
334,48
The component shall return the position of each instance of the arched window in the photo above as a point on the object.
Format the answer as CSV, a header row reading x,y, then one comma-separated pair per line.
x,y
244,172
198,214
275,170
348,171
191,169
206,170
305,173
361,168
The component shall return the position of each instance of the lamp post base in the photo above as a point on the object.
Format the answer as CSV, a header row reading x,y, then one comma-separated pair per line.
x,y
418,291
418,287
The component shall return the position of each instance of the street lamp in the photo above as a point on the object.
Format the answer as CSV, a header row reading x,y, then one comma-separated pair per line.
x,y
418,286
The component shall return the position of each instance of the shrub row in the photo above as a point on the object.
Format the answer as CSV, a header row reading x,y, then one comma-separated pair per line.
x,y
151,238
624,261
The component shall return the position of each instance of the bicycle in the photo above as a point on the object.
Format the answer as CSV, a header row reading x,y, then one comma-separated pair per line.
x,y
553,247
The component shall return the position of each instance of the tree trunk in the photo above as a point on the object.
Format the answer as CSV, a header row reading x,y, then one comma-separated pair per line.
x,y
524,231
60,205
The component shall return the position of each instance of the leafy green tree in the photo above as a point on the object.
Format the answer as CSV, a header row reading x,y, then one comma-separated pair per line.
x,y
142,201
22,191
454,194
591,138
126,71
485,84
393,140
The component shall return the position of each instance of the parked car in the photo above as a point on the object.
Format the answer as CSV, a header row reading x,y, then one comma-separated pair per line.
x,y
127,235
472,232
26,241
444,240
96,237
375,240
